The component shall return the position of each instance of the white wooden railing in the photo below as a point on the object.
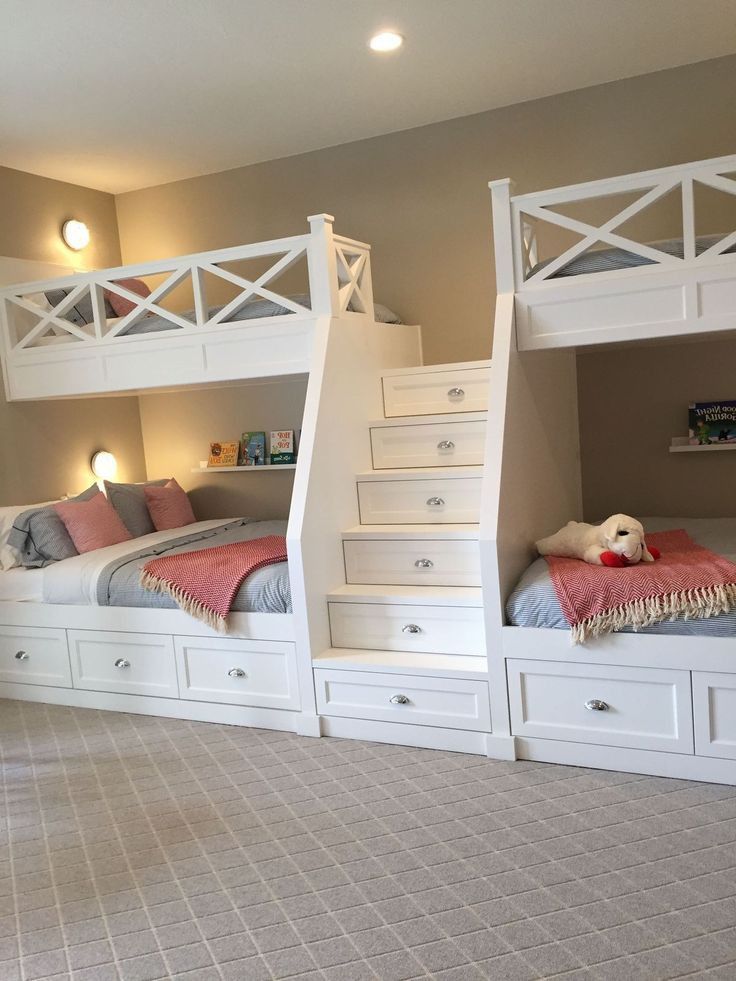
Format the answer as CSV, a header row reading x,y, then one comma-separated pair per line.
x,y
516,220
339,278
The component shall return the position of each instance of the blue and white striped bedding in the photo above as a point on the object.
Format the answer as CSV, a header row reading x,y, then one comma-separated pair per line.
x,y
533,602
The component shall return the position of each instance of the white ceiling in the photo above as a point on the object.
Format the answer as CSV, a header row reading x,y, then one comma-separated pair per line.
x,y
121,94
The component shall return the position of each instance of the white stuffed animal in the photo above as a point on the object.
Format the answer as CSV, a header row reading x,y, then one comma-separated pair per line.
x,y
618,542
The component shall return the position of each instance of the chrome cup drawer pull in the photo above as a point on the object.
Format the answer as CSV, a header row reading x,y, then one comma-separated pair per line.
x,y
236,673
596,705
21,655
456,393
122,663
445,444
399,700
435,502
424,563
411,628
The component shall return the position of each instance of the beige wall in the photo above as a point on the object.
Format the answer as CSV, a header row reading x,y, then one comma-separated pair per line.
x,y
45,446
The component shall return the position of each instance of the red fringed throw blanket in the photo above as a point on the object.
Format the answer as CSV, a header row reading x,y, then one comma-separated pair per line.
x,y
687,581
204,583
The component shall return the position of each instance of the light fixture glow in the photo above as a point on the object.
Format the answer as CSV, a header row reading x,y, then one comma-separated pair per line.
x,y
75,234
385,41
103,465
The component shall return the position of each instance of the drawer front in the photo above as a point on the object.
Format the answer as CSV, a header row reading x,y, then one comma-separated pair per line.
x,y
714,708
444,702
34,656
428,393
400,563
439,501
239,672
455,444
426,629
638,708
131,664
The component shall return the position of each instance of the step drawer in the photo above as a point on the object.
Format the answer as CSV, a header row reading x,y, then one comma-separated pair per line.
x,y
391,502
238,672
131,664
444,702
714,708
34,656
639,708
428,393
406,562
455,444
401,627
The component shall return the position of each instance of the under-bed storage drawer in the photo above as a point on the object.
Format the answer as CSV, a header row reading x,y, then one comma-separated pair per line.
x,y
433,392
440,500
240,672
406,562
714,708
389,627
34,656
445,702
638,708
447,444
131,664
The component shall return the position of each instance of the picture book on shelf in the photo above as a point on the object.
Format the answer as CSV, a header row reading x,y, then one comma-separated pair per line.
x,y
712,422
252,449
282,446
224,454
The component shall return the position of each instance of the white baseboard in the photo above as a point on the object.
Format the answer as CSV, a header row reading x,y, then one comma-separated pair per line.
x,y
500,747
425,737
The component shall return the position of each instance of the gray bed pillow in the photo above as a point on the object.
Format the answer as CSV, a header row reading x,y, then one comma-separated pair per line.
x,y
129,501
81,313
40,536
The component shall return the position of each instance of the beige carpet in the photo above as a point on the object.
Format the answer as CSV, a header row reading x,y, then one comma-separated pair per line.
x,y
137,848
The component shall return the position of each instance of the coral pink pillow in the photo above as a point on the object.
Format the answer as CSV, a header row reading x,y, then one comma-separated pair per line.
x,y
92,524
120,305
168,506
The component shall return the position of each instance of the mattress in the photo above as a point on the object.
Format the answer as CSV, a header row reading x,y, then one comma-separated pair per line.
x,y
109,576
606,260
533,603
21,585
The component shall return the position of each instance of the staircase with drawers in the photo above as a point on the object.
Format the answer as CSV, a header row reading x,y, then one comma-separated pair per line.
x,y
408,663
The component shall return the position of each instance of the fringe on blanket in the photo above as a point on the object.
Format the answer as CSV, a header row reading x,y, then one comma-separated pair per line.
x,y
708,601
184,601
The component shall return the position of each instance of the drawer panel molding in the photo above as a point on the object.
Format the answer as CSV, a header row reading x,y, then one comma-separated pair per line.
x,y
34,656
129,663
432,393
441,500
406,562
399,627
455,444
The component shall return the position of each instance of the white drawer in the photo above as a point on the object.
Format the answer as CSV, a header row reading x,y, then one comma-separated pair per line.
x,y
444,702
714,709
428,393
131,664
390,627
240,672
34,656
640,708
437,501
454,444
406,562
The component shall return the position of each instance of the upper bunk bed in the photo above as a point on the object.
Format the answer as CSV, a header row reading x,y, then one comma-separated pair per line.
x,y
610,285
61,338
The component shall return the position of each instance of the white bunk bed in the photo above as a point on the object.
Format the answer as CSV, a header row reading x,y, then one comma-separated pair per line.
x,y
162,661
667,701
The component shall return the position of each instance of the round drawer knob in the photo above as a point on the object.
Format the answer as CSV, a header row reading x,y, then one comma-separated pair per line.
x,y
424,563
597,705
456,393
411,628
236,673
445,444
435,502
399,700
21,655
122,663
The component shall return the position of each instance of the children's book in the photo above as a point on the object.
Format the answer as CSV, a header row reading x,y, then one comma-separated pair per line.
x,y
252,449
282,446
712,422
223,454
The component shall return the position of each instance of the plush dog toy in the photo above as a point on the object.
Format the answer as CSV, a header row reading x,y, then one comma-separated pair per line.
x,y
618,542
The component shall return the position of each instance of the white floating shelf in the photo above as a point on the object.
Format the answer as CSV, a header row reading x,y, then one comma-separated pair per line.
x,y
262,469
682,444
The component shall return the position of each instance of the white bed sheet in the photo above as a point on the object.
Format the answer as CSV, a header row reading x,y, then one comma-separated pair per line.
x,y
74,581
21,585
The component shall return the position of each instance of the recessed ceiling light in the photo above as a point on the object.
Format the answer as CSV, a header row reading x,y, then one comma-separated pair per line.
x,y
386,41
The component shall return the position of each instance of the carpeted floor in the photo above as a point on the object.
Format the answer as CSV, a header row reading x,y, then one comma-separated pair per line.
x,y
137,848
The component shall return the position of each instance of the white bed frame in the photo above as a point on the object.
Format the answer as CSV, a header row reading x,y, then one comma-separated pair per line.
x,y
260,673
669,703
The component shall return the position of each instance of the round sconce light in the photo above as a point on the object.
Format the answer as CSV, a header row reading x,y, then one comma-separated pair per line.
x,y
385,41
75,234
103,465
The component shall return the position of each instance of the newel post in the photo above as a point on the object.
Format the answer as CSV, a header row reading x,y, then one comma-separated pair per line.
x,y
503,237
323,287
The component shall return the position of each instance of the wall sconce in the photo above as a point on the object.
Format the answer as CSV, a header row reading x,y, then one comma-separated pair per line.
x,y
103,465
75,234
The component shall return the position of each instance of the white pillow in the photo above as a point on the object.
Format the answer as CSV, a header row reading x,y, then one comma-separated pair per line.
x,y
10,557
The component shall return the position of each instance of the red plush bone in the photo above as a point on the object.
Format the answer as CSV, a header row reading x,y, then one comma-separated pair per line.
x,y
616,561
653,551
